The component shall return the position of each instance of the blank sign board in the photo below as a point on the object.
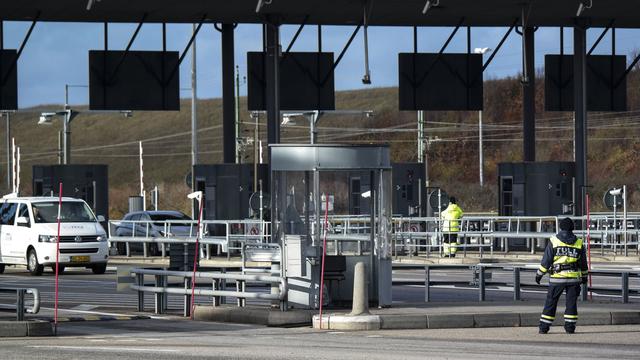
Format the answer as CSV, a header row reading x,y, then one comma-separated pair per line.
x,y
136,80
440,82
306,81
606,85
8,80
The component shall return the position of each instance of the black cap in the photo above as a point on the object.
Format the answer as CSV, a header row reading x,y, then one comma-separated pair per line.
x,y
566,224
453,200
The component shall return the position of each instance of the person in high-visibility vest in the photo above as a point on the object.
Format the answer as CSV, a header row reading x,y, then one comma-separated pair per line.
x,y
565,261
450,227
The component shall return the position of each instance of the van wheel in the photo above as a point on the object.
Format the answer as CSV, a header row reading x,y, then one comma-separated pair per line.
x,y
99,269
1,268
32,263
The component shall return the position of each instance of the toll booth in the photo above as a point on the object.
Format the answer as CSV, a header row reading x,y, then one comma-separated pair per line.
x,y
409,192
304,178
87,182
227,189
536,188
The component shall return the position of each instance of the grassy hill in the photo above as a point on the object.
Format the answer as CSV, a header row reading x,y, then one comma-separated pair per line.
x,y
453,159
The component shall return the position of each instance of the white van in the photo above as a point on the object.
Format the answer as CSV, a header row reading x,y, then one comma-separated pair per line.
x,y
29,229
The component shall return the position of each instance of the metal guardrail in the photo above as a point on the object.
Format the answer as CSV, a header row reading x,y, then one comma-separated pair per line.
x,y
218,292
235,233
19,306
481,281
350,234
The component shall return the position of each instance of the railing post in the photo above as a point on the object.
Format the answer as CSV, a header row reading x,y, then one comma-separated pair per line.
x,y
140,282
625,287
427,283
165,298
516,283
186,303
215,286
481,284
20,304
159,296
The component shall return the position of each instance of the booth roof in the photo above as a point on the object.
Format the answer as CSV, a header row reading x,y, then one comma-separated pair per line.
x,y
624,13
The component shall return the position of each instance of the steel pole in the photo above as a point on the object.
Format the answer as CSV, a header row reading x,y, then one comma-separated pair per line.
x,y
480,150
9,162
229,122
529,96
580,108
67,138
194,98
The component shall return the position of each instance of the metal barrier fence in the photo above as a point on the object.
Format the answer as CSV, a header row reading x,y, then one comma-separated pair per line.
x,y
20,306
481,281
411,236
218,292
227,236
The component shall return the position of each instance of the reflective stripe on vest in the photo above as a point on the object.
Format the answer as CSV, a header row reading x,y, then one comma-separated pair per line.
x,y
566,254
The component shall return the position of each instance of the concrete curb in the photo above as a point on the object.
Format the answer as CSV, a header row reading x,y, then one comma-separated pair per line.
x,y
258,316
25,328
297,318
348,322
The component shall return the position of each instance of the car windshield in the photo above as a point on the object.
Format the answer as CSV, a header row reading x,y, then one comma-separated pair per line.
x,y
72,211
168,216
158,218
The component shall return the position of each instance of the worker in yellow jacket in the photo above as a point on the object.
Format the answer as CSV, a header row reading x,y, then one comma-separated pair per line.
x,y
450,227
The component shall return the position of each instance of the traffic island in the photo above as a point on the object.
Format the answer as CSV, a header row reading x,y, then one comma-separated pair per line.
x,y
25,328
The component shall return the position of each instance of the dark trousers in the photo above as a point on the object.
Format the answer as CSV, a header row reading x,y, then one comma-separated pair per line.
x,y
551,303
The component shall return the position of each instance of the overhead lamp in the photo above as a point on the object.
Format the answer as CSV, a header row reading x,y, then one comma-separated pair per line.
x,y
90,4
429,4
483,50
582,7
366,79
46,118
261,3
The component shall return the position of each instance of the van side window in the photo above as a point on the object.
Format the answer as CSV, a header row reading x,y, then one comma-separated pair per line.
x,y
8,213
24,211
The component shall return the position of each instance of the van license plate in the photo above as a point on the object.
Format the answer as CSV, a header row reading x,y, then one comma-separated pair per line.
x,y
80,259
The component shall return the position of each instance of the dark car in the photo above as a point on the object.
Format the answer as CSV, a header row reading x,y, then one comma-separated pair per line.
x,y
152,224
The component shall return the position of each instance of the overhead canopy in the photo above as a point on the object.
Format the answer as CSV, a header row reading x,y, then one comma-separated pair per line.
x,y
329,12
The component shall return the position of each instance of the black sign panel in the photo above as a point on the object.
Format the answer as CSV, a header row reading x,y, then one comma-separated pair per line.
x,y
136,80
440,82
8,80
606,86
306,81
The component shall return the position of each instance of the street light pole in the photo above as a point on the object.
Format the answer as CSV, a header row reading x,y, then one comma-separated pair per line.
x,y
481,51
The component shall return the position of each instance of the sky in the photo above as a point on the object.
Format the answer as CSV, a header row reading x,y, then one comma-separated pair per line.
x,y
57,53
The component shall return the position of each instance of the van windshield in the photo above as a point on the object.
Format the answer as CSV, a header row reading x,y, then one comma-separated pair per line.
x,y
72,211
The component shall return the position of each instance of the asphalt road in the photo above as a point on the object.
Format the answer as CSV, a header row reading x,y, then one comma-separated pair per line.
x,y
181,339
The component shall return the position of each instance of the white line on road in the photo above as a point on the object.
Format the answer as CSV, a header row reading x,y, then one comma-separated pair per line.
x,y
112,349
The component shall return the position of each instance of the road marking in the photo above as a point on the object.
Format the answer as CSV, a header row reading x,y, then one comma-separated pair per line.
x,y
111,349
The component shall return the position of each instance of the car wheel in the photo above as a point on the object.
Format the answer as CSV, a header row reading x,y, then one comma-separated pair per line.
x,y
32,264
1,268
99,269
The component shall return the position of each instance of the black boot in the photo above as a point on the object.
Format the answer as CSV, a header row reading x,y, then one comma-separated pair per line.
x,y
569,329
543,328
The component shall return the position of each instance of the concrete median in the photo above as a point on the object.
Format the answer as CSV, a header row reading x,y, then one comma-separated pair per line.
x,y
25,328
